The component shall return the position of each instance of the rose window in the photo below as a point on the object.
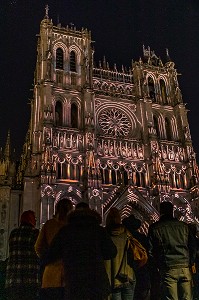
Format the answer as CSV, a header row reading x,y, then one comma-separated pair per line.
x,y
114,122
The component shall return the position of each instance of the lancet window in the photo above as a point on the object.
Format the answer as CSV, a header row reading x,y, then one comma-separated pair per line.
x,y
72,61
156,126
118,177
142,179
151,89
74,115
125,178
58,114
137,179
113,176
59,59
163,91
168,129
68,171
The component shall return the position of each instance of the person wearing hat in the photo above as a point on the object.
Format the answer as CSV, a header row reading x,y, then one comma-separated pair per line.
x,y
142,287
23,269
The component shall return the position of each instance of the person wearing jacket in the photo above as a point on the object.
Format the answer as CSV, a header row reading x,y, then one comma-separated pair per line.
x,y
172,251
121,275
142,287
83,245
23,269
53,274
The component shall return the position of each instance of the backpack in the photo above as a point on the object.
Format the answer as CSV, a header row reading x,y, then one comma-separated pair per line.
x,y
137,254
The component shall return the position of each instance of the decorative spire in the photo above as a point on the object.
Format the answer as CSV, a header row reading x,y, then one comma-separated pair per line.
x,y
104,62
46,10
7,146
167,55
146,52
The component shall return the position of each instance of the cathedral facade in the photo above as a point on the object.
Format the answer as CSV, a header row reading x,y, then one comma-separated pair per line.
x,y
101,135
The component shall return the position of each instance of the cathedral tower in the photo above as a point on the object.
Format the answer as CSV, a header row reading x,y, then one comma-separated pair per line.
x,y
107,136
100,134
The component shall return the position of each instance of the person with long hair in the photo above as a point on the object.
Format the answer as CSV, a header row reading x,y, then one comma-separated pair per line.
x,y
53,274
121,274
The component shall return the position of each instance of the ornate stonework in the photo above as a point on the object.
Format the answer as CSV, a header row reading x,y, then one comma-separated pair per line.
x,y
106,136
114,122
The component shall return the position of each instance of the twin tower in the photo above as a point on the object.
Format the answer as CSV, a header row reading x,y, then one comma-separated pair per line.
x,y
101,135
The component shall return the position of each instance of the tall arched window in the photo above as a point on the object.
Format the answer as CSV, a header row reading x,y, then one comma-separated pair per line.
x,y
102,175
119,179
163,91
106,173
151,89
182,181
156,126
58,114
77,172
58,171
113,176
59,59
125,178
72,61
137,179
74,115
72,172
142,180
171,180
64,169
168,129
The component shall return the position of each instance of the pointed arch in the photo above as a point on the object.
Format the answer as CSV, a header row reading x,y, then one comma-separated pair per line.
x,y
137,179
74,115
58,171
73,61
119,179
64,169
125,179
106,173
102,175
143,183
156,126
113,177
59,58
58,113
168,129
151,88
182,181
163,91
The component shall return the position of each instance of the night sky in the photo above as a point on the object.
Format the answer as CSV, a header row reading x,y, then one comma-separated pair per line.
x,y
119,29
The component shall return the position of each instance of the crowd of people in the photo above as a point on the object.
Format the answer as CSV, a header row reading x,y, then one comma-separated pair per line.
x,y
73,257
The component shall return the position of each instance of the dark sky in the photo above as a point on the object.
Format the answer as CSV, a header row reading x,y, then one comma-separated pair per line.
x,y
119,29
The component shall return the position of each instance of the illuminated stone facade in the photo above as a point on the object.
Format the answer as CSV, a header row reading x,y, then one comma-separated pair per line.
x,y
108,137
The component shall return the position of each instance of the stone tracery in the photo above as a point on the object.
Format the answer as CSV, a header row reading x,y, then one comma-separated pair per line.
x,y
114,122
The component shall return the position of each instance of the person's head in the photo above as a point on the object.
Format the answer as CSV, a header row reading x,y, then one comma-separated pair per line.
x,y
63,207
82,205
131,222
166,208
28,218
113,217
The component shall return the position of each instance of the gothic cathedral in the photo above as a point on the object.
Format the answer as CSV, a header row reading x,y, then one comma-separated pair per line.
x,y
101,135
